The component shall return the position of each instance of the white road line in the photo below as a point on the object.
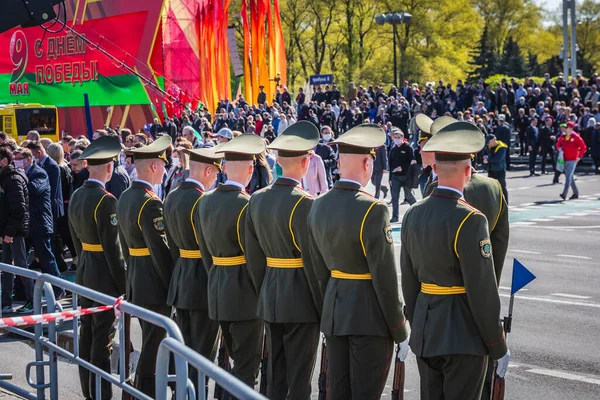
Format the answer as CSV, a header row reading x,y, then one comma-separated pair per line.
x,y
558,228
572,296
525,251
564,375
564,229
518,209
523,223
542,219
507,288
577,214
510,190
561,216
572,256
544,300
524,187
527,204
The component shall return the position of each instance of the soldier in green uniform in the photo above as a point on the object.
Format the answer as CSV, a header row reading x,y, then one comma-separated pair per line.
x,y
448,278
187,292
278,258
232,298
352,252
483,193
144,244
93,226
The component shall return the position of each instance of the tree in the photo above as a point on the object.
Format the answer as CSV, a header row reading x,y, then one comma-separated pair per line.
x,y
513,62
588,36
483,60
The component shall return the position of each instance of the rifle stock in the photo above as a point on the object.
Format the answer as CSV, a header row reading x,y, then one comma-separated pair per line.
x,y
263,368
498,388
398,383
323,373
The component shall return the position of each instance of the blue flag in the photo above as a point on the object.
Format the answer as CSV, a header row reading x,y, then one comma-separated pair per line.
x,y
521,277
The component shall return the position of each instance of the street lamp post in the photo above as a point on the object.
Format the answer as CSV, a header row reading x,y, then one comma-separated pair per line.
x,y
394,19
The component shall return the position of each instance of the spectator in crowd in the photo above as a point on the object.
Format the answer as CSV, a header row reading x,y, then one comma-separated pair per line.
x,y
547,139
380,166
40,211
327,153
261,175
180,168
401,157
595,144
522,123
503,134
189,133
315,181
533,145
14,227
156,128
573,148
79,169
53,171
56,153
33,136
495,159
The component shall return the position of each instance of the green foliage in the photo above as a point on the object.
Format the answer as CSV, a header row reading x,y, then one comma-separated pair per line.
x,y
513,62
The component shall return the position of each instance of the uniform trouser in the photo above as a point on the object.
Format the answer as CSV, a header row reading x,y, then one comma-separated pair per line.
x,y
547,150
292,348
397,183
569,178
63,239
500,176
151,338
507,159
94,346
200,333
486,393
15,253
522,143
532,159
244,342
376,178
358,366
452,377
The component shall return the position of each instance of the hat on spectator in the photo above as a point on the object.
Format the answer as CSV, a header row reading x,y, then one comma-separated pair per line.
x,y
101,151
242,148
205,155
568,125
501,117
156,149
362,139
456,141
297,140
490,137
225,132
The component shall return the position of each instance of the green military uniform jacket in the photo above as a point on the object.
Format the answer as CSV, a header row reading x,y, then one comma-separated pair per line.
x,y
445,242
350,232
141,226
485,194
93,220
222,219
189,280
277,227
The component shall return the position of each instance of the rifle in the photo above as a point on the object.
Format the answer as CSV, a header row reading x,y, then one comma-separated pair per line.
x,y
498,384
223,362
398,383
263,368
323,373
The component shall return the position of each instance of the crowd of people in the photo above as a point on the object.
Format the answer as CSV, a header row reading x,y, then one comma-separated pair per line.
x,y
551,120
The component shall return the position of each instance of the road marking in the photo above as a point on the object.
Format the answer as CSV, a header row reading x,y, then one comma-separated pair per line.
x,y
524,187
527,204
510,190
542,219
572,256
507,288
564,375
572,296
518,209
525,251
523,223
561,216
558,228
566,302
577,214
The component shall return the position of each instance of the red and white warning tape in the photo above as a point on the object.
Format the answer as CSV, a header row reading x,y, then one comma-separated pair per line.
x,y
59,316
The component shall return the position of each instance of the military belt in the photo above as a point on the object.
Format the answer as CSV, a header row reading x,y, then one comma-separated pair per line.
x,y
344,275
432,288
93,248
139,252
284,262
229,261
189,253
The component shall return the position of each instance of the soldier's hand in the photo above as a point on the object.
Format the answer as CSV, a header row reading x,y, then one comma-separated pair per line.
x,y
403,352
503,365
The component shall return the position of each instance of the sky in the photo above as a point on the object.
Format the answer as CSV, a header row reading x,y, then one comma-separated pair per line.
x,y
550,4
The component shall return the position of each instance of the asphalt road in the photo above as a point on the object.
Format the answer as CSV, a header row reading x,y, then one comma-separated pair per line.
x,y
554,343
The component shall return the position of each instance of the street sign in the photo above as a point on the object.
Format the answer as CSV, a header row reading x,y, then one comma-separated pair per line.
x,y
326,79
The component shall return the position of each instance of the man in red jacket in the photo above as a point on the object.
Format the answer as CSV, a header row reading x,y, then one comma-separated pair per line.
x,y
573,148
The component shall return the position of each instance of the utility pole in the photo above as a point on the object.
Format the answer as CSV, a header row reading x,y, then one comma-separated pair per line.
x,y
569,5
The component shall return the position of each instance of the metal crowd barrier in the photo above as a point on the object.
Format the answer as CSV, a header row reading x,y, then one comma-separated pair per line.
x,y
172,344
